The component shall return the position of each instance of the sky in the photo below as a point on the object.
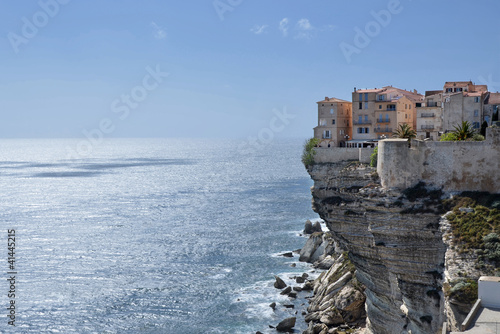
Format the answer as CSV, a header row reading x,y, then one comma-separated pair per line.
x,y
225,68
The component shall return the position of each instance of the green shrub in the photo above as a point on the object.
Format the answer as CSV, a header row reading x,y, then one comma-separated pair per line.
x,y
477,230
374,157
477,137
309,152
463,291
450,136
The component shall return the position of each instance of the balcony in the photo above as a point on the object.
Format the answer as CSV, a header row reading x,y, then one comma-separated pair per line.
x,y
383,120
432,104
362,122
391,109
427,127
431,114
382,130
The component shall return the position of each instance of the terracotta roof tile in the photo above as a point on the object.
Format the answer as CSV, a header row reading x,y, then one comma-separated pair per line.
x,y
333,100
494,98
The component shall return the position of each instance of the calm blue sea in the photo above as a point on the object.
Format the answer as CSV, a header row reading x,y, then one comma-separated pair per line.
x,y
150,235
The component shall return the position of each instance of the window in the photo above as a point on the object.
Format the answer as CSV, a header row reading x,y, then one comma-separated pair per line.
x,y
322,122
333,121
476,113
359,130
347,123
366,96
406,115
380,118
322,105
366,118
406,106
380,106
367,130
475,125
387,117
449,90
360,105
366,105
326,134
487,119
476,99
331,111
360,119
341,132
332,104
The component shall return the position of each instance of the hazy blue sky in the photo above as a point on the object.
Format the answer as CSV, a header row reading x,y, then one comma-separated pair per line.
x,y
233,64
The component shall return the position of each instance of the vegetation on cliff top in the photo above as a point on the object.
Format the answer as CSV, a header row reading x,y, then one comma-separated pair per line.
x,y
475,222
309,152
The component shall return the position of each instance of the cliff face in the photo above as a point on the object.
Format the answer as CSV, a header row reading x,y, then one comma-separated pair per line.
x,y
394,241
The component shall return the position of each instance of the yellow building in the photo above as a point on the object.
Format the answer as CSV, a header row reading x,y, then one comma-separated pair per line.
x,y
378,112
334,122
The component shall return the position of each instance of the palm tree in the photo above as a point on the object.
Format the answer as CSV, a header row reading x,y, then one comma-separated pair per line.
x,y
404,131
463,131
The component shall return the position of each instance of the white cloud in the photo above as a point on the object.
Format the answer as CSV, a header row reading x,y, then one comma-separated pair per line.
x,y
159,32
304,24
257,29
304,29
284,26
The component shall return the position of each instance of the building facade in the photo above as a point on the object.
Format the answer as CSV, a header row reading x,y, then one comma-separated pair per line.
x,y
334,122
378,112
430,116
463,102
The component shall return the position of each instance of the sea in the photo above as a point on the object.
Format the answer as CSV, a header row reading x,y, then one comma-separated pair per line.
x,y
173,236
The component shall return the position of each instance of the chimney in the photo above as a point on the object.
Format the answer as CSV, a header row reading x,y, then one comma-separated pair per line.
x,y
326,98
415,91
354,89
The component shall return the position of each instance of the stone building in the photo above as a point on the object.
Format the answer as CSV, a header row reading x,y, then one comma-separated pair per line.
x,y
491,108
463,101
430,116
334,122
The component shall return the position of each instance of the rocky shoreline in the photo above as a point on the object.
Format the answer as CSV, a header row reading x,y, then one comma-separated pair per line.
x,y
337,303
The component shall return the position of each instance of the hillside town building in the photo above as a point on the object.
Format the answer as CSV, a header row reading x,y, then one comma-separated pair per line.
x,y
376,114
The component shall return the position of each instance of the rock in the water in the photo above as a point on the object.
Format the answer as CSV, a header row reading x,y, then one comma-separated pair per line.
x,y
286,290
286,324
272,305
287,254
317,227
279,284
310,253
308,227
297,288
300,279
258,333
307,286
289,305
292,294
